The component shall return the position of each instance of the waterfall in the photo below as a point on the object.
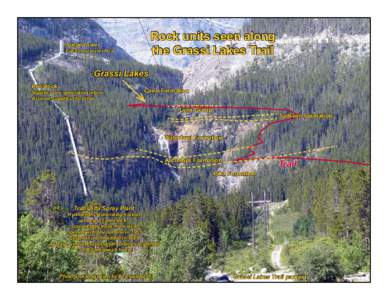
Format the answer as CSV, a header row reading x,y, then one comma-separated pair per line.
x,y
164,146
163,143
176,175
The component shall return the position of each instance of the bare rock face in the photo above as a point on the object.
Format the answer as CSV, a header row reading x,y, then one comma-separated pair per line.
x,y
229,183
209,71
201,73
133,35
81,30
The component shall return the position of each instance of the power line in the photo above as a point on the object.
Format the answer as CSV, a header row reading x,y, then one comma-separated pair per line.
x,y
253,223
264,203
148,42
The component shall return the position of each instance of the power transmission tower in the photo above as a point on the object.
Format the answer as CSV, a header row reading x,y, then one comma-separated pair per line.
x,y
266,217
264,204
253,222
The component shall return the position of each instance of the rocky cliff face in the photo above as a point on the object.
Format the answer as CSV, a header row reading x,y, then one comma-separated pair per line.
x,y
209,71
132,34
200,73
184,149
82,30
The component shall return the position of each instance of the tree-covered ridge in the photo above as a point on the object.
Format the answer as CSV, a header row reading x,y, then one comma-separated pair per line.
x,y
328,240
31,47
191,233
308,26
319,81
316,82
117,130
328,204
333,200
82,30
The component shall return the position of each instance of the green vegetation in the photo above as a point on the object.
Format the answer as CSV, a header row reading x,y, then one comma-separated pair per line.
x,y
44,142
317,259
244,261
41,198
327,259
332,237
182,255
304,226
326,201
327,221
38,260
318,81
191,233
308,26
32,47
282,225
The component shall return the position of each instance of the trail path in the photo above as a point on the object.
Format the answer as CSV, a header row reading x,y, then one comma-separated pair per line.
x,y
276,257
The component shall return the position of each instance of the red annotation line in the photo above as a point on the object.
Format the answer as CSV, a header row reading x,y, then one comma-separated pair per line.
x,y
314,158
259,139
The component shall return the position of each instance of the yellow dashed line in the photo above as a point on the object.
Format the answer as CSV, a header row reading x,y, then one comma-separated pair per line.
x,y
224,117
200,166
152,152
255,158
196,155
184,120
122,158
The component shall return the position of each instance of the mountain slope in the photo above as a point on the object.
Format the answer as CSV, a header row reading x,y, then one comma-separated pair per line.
x,y
133,35
71,30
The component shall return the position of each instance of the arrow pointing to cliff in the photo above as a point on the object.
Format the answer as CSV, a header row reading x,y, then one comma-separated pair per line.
x,y
139,96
